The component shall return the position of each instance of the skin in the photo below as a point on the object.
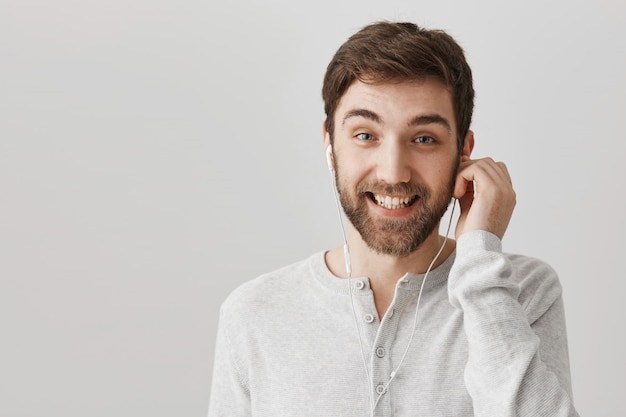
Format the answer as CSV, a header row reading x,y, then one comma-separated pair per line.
x,y
404,132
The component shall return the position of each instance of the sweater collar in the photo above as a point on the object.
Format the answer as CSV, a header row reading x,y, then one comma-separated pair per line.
x,y
409,281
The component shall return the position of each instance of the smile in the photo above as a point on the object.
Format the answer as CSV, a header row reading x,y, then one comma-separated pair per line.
x,y
392,203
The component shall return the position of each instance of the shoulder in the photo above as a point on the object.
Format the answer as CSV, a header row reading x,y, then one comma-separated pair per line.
x,y
270,289
481,264
538,283
260,311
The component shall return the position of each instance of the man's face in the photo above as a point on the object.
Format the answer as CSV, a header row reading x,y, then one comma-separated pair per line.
x,y
396,157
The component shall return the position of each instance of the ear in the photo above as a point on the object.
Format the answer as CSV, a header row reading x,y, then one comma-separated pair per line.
x,y
468,146
328,149
325,136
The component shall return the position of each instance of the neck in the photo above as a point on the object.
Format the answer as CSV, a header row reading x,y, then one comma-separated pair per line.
x,y
380,267
384,271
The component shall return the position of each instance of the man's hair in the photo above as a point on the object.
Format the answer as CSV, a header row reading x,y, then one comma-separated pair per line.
x,y
392,52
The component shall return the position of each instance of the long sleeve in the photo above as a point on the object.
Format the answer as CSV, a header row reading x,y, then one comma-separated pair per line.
x,y
230,395
513,318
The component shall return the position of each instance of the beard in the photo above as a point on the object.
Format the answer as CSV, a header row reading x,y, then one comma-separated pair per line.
x,y
395,236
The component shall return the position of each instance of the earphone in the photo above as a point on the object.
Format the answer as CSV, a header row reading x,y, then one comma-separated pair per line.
x,y
346,249
329,158
348,264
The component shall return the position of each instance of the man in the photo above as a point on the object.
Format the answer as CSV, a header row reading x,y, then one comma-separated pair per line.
x,y
339,334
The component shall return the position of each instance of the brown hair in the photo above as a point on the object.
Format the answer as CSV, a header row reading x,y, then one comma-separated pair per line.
x,y
385,51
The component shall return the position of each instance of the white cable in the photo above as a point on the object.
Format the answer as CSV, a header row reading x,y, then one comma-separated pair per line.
x,y
348,264
346,254
419,297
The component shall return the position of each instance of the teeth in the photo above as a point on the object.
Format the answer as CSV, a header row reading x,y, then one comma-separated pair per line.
x,y
392,203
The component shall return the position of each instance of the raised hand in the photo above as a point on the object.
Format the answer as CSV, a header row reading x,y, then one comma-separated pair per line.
x,y
486,196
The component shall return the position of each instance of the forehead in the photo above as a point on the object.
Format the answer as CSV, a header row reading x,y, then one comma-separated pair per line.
x,y
397,102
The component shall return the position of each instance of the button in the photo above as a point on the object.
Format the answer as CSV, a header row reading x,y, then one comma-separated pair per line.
x,y
359,285
380,352
380,389
368,318
390,315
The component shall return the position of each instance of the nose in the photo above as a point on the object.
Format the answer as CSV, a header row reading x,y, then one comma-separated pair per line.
x,y
393,163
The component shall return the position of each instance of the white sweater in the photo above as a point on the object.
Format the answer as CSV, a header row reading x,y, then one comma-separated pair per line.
x,y
490,341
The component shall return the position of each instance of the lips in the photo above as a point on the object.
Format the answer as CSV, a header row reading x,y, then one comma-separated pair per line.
x,y
393,202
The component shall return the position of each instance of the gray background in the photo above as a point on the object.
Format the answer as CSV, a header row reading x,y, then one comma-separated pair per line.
x,y
156,154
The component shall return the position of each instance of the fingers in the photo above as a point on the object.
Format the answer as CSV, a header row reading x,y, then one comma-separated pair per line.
x,y
485,192
486,171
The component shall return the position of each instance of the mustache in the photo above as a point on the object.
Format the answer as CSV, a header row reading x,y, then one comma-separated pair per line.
x,y
404,188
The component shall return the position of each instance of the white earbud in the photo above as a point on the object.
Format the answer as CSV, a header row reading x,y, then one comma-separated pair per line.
x,y
329,157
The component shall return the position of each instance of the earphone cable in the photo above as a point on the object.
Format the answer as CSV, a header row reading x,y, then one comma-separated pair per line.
x,y
346,252
419,297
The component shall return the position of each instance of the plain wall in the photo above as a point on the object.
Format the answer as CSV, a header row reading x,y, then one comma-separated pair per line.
x,y
156,154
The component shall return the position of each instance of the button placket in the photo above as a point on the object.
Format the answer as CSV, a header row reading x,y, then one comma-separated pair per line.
x,y
380,352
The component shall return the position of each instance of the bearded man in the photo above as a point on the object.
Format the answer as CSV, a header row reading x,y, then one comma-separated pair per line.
x,y
401,321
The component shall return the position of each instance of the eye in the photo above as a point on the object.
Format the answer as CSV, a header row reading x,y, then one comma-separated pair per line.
x,y
364,137
424,139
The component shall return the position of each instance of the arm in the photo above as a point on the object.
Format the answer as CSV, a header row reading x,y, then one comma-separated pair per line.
x,y
518,362
230,395
512,312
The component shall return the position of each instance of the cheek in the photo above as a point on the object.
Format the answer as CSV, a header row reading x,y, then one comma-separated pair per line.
x,y
346,182
350,170
439,174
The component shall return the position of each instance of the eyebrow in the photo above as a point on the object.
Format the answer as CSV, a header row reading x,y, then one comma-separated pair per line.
x,y
417,121
431,119
367,114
